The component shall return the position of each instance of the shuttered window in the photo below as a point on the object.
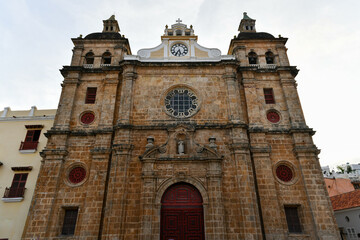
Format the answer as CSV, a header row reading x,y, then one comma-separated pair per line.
x,y
69,221
90,95
292,219
269,96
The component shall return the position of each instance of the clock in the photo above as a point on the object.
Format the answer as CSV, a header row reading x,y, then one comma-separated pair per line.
x,y
181,103
179,50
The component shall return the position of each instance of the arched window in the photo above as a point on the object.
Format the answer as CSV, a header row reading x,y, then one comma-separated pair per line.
x,y
252,58
106,58
89,58
269,56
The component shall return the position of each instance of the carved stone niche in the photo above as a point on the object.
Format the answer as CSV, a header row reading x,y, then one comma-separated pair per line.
x,y
181,145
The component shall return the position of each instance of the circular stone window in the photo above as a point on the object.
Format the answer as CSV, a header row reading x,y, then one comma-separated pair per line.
x,y
181,103
284,173
87,118
273,116
77,175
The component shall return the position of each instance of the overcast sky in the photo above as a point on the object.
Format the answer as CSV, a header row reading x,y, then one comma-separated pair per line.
x,y
324,43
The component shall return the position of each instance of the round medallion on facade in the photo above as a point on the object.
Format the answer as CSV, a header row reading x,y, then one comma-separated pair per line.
x,y
181,103
77,175
179,49
284,173
87,117
273,116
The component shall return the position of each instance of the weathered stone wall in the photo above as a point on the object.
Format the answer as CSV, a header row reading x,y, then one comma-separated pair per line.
x,y
126,177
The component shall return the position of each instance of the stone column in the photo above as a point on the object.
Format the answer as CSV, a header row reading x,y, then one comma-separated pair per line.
x,y
147,200
93,205
126,97
273,224
40,217
114,220
318,199
240,54
108,102
67,100
249,212
292,101
216,211
76,57
252,100
282,56
233,93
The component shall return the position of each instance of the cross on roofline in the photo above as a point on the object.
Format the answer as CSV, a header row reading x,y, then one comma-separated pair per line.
x,y
179,21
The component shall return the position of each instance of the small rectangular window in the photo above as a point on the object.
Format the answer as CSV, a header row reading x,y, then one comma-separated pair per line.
x,y
292,219
69,223
269,96
90,95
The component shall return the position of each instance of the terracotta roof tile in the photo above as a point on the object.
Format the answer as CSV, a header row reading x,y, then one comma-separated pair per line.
x,y
346,200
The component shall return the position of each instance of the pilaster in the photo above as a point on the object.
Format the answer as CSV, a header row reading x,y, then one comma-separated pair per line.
x,y
67,100
216,211
116,193
147,200
39,220
292,100
233,93
325,226
248,205
126,98
93,205
260,150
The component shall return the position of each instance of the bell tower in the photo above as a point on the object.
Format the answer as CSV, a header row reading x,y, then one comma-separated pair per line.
x,y
247,24
111,25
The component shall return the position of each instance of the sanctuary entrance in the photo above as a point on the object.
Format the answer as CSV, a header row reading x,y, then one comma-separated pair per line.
x,y
182,216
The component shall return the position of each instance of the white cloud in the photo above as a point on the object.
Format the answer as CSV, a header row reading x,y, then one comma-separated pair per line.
x,y
324,41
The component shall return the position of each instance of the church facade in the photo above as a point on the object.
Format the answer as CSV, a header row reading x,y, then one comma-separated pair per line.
x,y
180,142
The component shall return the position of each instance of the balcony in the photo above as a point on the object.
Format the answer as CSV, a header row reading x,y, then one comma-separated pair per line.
x,y
105,65
14,194
265,66
88,65
28,147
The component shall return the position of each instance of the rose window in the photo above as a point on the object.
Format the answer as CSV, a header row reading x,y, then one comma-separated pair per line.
x,y
284,173
77,175
87,118
273,116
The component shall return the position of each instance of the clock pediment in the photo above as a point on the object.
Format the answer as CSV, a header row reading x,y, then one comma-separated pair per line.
x,y
179,44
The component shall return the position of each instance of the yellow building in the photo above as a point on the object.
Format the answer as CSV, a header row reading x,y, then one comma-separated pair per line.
x,y
21,140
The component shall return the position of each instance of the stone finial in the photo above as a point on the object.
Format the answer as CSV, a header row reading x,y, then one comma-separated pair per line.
x,y
150,142
32,111
212,143
6,110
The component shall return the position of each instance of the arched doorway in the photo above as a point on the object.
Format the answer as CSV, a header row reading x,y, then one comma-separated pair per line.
x,y
182,216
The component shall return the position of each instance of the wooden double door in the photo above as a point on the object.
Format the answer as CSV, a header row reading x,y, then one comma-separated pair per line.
x,y
182,216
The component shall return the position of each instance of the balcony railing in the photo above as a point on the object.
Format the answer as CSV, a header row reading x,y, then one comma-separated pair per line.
x,y
105,65
88,65
264,66
14,192
28,145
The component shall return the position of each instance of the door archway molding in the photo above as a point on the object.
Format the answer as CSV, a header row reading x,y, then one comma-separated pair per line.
x,y
190,180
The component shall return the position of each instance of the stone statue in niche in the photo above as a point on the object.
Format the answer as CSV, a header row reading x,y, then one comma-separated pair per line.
x,y
181,147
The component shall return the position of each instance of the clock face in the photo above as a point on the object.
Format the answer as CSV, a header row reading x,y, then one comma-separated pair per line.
x,y
181,103
179,50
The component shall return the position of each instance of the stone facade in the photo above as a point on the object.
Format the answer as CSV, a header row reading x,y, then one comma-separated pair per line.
x,y
135,147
